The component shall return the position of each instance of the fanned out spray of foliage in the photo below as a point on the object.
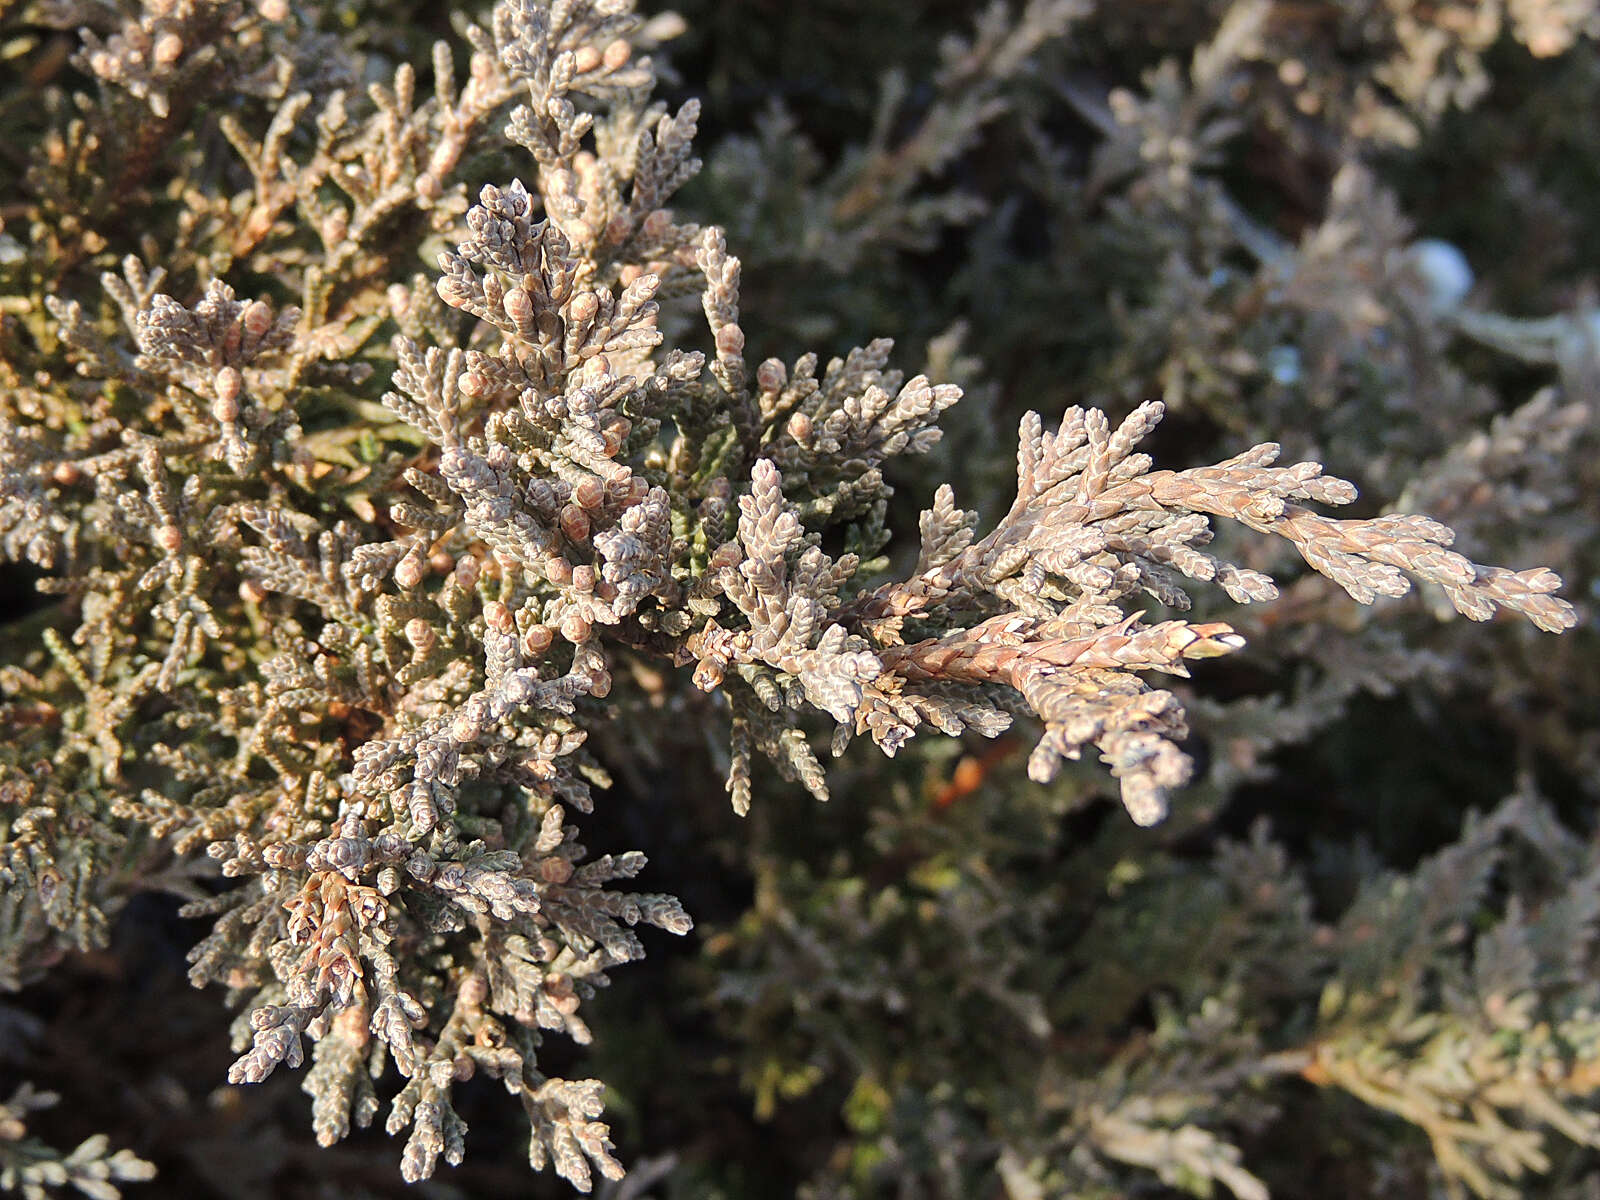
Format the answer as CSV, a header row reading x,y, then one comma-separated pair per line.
x,y
360,583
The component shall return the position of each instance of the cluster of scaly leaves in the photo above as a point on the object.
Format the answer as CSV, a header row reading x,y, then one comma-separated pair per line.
x,y
355,653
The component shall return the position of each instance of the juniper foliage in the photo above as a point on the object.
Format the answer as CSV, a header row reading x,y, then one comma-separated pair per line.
x,y
361,582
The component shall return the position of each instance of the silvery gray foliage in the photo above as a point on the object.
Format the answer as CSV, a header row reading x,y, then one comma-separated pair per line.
x,y
361,662
630,498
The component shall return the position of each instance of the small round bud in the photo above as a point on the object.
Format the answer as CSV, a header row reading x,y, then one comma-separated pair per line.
x,y
408,571
420,634
583,308
555,870
442,562
617,230
399,297
228,384
575,629
606,590
518,306
473,384
616,55
256,318
251,591
537,640
730,340
498,617
474,990
273,10
590,494
169,538
726,555
168,47
771,376
600,685
468,571
574,523
583,578
585,59
66,473
629,273
558,571
800,428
